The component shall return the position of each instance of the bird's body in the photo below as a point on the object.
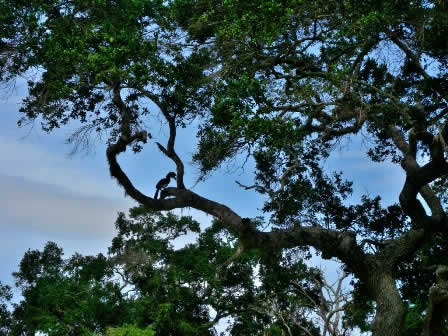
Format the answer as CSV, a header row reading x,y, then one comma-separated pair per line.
x,y
163,183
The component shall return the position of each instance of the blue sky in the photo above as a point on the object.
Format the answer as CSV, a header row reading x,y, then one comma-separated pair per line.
x,y
47,195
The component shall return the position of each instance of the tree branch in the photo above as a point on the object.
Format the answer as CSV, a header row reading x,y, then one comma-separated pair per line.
x,y
169,150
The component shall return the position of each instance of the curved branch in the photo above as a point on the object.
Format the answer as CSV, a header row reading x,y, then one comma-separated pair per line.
x,y
417,180
169,150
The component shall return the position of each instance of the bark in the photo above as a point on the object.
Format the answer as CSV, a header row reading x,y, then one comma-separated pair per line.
x,y
390,309
437,312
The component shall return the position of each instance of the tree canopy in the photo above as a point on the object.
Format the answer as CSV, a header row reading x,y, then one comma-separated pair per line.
x,y
146,287
281,83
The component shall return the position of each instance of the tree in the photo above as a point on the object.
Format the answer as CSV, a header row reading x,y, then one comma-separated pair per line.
x,y
129,330
146,287
324,304
282,82
5,314
186,285
76,296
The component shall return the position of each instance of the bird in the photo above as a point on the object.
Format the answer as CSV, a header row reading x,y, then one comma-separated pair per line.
x,y
163,183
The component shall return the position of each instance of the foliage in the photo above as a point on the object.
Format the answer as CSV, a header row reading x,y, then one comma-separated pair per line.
x,y
5,315
129,330
146,287
66,297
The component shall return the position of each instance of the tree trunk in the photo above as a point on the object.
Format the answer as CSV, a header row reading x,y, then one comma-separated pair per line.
x,y
390,309
437,312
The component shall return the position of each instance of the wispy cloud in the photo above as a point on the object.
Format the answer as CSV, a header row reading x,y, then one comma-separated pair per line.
x,y
37,163
56,210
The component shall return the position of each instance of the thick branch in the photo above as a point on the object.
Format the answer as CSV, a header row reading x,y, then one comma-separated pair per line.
x,y
417,180
331,243
401,248
438,304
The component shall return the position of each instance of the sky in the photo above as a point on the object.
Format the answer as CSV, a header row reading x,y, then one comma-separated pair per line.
x,y
48,195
